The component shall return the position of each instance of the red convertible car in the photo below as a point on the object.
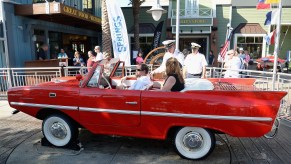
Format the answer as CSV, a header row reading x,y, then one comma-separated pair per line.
x,y
191,118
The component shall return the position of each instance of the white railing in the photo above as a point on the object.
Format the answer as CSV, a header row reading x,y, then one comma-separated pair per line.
x,y
72,71
194,13
4,82
32,76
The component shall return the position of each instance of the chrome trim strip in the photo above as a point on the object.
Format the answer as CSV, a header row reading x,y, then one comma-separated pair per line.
x,y
214,117
180,115
45,106
110,111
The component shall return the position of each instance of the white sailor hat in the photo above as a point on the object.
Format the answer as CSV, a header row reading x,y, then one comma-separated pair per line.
x,y
241,49
168,43
193,45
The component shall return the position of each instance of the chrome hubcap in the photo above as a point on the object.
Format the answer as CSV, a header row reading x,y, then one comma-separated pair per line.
x,y
58,130
192,141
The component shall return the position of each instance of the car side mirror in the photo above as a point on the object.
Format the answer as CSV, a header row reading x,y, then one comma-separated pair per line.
x,y
79,77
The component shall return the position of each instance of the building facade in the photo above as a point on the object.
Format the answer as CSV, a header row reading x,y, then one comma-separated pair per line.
x,y
249,29
71,24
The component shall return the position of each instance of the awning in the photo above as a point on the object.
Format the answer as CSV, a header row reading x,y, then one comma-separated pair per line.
x,y
249,28
59,13
144,28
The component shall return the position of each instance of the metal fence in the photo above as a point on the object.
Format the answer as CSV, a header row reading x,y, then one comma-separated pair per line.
x,y
11,77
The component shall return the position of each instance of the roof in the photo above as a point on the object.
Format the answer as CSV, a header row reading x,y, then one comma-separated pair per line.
x,y
249,28
144,28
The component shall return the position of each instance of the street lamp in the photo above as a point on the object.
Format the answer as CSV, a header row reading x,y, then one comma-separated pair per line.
x,y
156,11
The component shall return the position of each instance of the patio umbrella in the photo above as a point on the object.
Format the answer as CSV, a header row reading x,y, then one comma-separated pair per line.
x,y
270,59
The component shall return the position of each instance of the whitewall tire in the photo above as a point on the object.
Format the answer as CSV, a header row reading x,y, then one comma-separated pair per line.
x,y
194,142
59,130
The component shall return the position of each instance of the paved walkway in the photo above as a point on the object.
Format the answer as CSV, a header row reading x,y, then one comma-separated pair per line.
x,y
20,135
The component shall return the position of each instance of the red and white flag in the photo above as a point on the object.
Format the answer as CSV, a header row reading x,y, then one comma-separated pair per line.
x,y
270,38
225,46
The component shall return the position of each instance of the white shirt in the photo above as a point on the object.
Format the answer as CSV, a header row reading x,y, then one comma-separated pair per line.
x,y
234,64
194,63
178,55
141,83
99,56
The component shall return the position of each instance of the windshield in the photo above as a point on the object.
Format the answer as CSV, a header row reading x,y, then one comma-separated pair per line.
x,y
94,81
109,65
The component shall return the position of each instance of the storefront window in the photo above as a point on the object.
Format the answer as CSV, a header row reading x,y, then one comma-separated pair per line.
x,y
254,44
1,30
145,43
87,6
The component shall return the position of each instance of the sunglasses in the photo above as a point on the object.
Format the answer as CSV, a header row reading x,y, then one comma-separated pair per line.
x,y
139,69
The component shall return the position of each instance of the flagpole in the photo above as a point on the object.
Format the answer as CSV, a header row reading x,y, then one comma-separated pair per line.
x,y
277,46
222,58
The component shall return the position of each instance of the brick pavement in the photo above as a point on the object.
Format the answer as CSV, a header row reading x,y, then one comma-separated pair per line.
x,y
19,132
14,129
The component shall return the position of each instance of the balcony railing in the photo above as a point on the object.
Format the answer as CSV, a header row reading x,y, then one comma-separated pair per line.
x,y
195,13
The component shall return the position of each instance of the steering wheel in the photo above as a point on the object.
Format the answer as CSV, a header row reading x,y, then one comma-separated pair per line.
x,y
109,85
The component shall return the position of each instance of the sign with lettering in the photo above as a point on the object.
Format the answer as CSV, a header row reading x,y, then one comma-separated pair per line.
x,y
80,14
194,22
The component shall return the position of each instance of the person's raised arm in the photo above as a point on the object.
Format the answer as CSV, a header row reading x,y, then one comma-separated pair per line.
x,y
162,67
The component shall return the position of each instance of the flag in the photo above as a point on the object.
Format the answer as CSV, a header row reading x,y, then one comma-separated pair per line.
x,y
272,1
270,38
225,46
157,35
272,17
262,5
118,31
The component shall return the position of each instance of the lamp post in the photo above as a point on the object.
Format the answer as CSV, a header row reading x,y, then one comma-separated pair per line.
x,y
156,11
177,24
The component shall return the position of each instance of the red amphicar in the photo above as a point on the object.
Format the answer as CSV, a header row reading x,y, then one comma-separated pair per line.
x,y
191,118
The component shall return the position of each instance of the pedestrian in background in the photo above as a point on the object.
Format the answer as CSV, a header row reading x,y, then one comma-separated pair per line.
x,y
62,54
41,52
139,59
99,55
211,58
78,60
185,52
233,65
195,63
91,59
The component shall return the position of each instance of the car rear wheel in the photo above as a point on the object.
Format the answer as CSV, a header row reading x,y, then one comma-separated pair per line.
x,y
59,130
194,142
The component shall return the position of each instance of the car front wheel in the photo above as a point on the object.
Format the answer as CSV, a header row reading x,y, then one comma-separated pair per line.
x,y
194,143
59,130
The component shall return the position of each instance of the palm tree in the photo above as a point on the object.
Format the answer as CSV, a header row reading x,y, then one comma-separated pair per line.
x,y
106,36
135,11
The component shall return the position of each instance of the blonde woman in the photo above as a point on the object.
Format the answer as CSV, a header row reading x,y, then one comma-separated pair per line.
x,y
174,81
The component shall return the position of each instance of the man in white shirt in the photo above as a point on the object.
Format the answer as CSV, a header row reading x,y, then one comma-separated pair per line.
x,y
142,82
233,64
195,63
99,55
170,52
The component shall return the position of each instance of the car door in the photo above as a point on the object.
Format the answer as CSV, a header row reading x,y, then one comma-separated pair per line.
x,y
109,107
